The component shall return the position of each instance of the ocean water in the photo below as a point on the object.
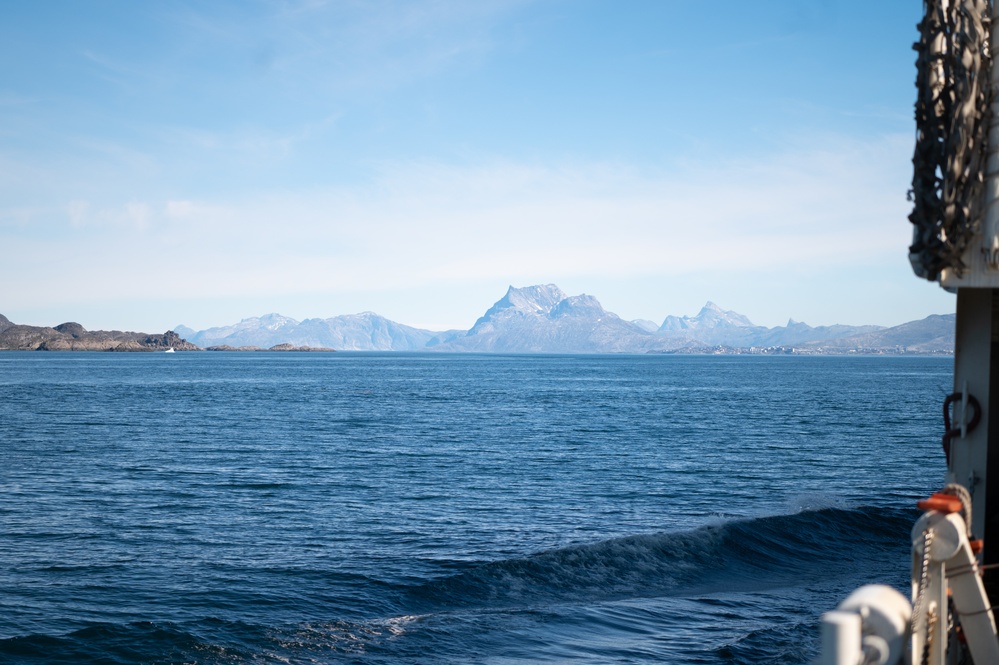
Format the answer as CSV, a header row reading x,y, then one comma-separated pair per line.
x,y
419,508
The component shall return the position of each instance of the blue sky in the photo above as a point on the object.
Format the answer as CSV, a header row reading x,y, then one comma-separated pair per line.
x,y
198,163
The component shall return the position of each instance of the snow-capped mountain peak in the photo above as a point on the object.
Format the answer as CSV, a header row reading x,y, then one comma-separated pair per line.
x,y
710,316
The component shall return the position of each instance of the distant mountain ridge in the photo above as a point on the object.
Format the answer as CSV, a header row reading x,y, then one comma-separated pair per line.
x,y
710,316
533,319
543,319
366,331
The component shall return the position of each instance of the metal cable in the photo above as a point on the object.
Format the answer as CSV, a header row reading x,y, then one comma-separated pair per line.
x,y
962,493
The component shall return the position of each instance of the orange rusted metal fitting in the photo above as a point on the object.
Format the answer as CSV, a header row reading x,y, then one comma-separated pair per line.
x,y
942,503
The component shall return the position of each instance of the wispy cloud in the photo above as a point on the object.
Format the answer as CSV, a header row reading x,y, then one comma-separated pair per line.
x,y
838,202
343,48
333,148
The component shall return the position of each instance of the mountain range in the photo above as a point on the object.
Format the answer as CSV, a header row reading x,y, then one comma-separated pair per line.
x,y
543,319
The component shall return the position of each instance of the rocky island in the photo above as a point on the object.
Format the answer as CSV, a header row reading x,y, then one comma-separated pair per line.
x,y
276,347
74,337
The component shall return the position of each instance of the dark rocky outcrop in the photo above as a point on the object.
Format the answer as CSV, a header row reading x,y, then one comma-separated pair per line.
x,y
74,337
74,330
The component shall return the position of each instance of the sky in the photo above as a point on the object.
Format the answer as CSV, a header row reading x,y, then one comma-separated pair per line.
x,y
167,163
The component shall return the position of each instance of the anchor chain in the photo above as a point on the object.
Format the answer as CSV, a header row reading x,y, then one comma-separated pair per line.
x,y
952,116
919,605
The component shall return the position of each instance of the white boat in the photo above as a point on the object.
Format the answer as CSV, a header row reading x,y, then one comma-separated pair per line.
x,y
948,616
170,350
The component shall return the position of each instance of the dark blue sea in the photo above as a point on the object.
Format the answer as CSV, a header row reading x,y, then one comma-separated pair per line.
x,y
415,508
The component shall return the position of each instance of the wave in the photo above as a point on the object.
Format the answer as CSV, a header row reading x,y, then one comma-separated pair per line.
x,y
738,555
205,641
793,643
107,643
463,617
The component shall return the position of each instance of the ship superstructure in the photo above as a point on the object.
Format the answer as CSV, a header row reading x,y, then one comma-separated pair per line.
x,y
948,617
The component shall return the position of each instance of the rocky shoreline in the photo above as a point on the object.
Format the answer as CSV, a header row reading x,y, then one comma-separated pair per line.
x,y
276,347
74,337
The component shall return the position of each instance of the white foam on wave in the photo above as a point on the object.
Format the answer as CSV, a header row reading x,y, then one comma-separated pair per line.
x,y
398,626
810,501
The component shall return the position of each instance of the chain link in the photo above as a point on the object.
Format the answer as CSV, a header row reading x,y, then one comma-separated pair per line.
x,y
952,113
920,603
